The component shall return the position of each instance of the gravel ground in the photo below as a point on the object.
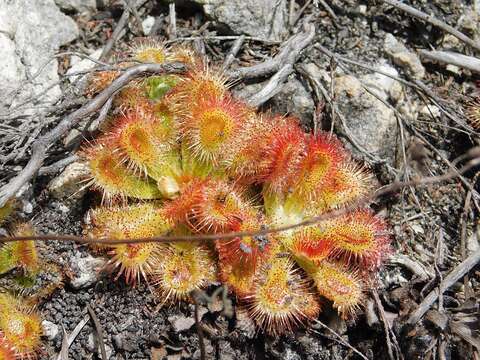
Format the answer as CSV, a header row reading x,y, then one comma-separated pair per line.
x,y
426,222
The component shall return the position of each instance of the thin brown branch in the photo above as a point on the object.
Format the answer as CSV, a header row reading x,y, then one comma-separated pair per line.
x,y
57,166
117,34
273,87
456,274
198,325
473,154
42,144
340,339
450,57
66,343
434,21
99,330
172,17
387,328
237,45
288,55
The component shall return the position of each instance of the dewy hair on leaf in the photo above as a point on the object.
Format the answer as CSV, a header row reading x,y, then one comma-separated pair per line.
x,y
181,155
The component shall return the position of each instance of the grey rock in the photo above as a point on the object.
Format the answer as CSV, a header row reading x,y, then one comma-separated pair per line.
x,y
437,319
208,349
291,355
12,71
468,22
337,324
403,57
451,42
430,110
50,329
82,64
247,91
317,73
294,99
123,341
93,346
384,86
69,182
181,323
473,241
245,323
30,34
266,19
370,122
226,351
85,271
72,137
77,5
27,206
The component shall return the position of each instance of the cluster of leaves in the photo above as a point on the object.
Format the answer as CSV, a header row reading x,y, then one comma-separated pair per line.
x,y
20,329
473,112
20,325
182,156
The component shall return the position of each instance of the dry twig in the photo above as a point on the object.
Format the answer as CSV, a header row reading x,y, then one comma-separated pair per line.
x,y
172,17
237,45
340,340
450,57
198,325
69,339
42,144
463,268
414,266
117,34
57,166
288,55
99,330
473,154
273,87
387,329
434,21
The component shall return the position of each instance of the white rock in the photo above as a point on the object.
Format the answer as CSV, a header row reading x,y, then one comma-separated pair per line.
x,y
94,347
27,206
77,5
30,34
430,110
383,85
50,330
403,57
454,69
473,241
85,271
181,323
69,182
147,24
370,122
417,229
266,19
362,9
12,72
79,64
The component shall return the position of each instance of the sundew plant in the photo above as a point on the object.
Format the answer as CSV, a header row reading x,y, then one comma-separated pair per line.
x,y
181,156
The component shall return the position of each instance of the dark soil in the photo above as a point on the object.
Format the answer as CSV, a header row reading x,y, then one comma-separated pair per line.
x,y
426,222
